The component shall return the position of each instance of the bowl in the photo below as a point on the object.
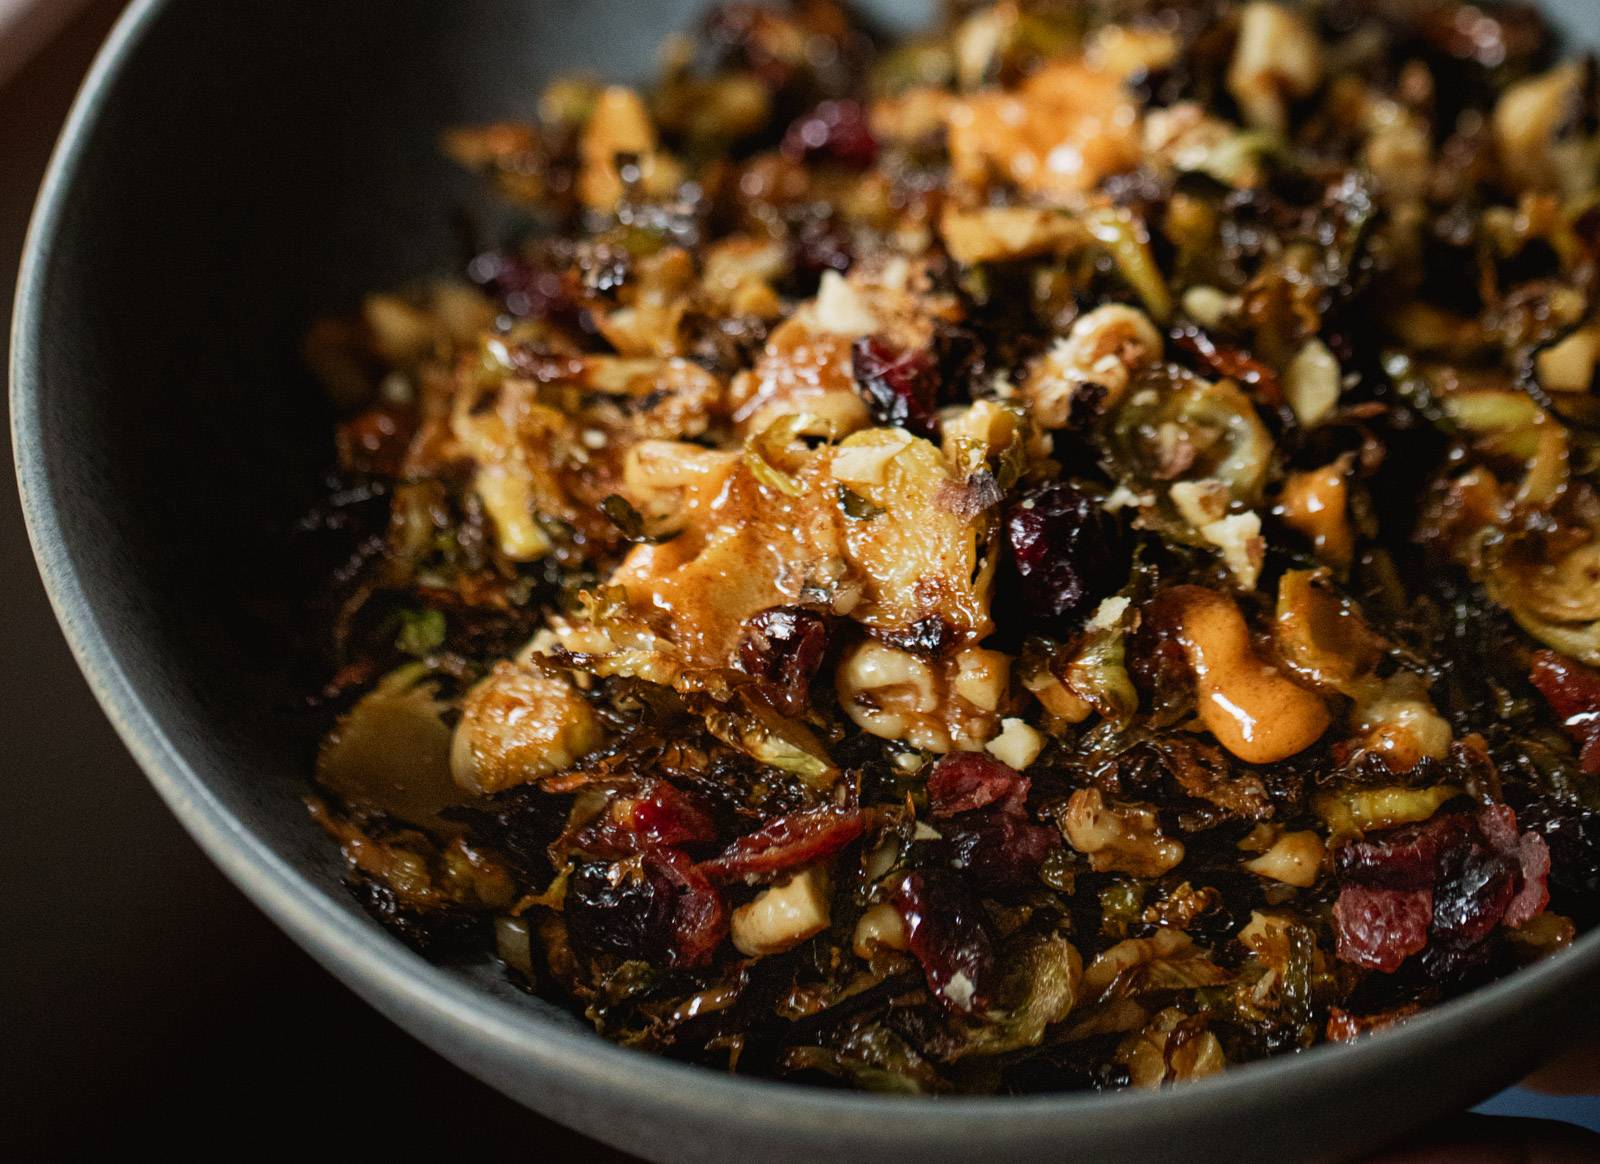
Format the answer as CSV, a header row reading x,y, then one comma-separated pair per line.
x,y
231,172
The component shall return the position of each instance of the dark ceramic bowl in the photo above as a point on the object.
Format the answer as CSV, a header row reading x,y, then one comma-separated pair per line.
x,y
230,172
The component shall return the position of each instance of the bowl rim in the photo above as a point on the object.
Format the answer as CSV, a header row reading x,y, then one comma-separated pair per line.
x,y
358,951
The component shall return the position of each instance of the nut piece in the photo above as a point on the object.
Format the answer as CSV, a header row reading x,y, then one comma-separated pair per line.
x,y
1017,745
1294,859
1277,59
1311,383
1251,707
880,927
1401,723
895,695
1102,353
1060,134
1122,838
841,310
783,916
518,725
1316,503
620,125
1569,366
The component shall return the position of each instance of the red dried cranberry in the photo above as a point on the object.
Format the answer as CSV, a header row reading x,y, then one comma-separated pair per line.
x,y
1572,834
1380,928
526,291
655,905
670,816
1533,855
1476,870
999,848
1475,886
818,244
788,842
949,936
1068,551
1529,855
1573,693
1401,858
699,915
963,781
836,131
783,646
623,907
991,836
900,387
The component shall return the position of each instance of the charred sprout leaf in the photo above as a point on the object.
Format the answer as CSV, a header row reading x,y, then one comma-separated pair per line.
x,y
391,751
873,1058
857,507
421,632
950,937
773,456
1128,242
1043,973
629,521
1191,430
770,738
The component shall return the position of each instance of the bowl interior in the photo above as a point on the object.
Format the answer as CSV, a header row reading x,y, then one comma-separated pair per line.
x,y
234,174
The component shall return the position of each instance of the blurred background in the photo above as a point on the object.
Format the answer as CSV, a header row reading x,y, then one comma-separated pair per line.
x,y
144,1003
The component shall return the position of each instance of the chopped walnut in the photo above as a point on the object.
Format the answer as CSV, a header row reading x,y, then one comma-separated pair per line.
x,y
1125,838
1092,366
935,705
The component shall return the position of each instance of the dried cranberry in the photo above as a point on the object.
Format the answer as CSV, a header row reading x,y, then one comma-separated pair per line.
x,y
1573,693
836,131
1572,834
623,907
526,291
1400,858
963,781
1533,859
819,243
1068,551
1475,886
999,848
655,905
788,842
699,915
1528,855
1475,870
783,646
900,387
1380,928
990,836
670,816
949,936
